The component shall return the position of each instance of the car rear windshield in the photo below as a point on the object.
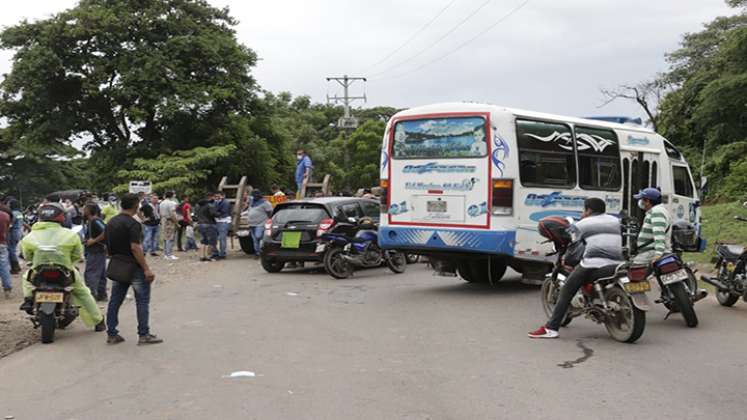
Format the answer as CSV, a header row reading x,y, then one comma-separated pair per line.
x,y
300,213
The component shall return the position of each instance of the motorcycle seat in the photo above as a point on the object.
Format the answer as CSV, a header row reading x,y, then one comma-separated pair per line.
x,y
730,252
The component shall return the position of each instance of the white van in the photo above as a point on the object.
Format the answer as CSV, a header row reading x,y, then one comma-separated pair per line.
x,y
467,183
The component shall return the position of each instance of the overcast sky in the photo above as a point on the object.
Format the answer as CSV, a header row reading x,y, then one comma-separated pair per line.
x,y
550,56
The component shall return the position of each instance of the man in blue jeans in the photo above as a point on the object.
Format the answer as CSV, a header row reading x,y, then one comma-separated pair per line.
x,y
223,223
123,243
4,260
15,234
151,225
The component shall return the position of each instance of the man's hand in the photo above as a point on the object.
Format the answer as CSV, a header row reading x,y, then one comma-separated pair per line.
x,y
656,258
149,276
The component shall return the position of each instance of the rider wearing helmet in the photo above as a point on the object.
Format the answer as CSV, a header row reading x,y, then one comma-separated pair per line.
x,y
48,232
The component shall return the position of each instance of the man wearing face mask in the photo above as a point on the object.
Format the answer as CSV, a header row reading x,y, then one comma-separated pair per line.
x,y
303,170
654,239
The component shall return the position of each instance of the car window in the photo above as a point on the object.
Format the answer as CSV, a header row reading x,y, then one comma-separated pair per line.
x,y
371,209
299,213
349,210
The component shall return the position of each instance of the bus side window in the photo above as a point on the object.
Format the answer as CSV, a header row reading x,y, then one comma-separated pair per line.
x,y
545,154
598,159
626,183
654,175
682,184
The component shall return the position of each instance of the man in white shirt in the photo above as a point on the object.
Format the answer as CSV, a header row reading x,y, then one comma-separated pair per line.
x,y
167,211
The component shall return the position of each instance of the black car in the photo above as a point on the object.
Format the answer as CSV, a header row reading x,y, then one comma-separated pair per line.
x,y
293,235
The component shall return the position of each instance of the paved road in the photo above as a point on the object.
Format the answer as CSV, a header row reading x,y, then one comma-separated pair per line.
x,y
378,346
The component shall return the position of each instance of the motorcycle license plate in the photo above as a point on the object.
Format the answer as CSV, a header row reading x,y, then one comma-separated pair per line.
x,y
49,297
675,277
637,287
320,248
291,240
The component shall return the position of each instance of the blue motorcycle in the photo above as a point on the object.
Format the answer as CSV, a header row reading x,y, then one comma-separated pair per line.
x,y
355,245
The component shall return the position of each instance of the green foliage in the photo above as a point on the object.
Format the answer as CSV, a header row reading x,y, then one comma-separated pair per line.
x,y
183,171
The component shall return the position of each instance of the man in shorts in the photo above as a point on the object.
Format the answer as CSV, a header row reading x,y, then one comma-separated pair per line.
x,y
207,227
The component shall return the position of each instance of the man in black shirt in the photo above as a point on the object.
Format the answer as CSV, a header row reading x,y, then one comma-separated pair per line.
x,y
206,226
95,274
123,234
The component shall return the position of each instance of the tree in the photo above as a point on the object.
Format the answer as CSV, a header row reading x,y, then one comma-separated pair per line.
x,y
127,77
183,171
646,94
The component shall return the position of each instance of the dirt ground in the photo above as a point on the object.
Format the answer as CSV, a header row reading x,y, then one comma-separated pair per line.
x,y
17,332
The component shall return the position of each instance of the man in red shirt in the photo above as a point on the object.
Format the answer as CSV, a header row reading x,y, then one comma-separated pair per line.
x,y
4,256
184,219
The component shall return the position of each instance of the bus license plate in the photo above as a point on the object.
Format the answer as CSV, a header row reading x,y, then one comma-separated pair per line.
x,y
437,206
49,297
637,287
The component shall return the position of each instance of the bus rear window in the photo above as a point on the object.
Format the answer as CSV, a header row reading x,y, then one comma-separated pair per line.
x,y
452,137
546,154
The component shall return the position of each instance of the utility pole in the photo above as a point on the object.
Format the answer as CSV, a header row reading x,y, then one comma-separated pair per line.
x,y
347,121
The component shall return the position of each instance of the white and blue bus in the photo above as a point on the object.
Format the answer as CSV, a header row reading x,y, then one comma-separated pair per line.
x,y
465,184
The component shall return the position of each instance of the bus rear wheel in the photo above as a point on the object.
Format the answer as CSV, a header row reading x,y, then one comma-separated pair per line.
x,y
478,271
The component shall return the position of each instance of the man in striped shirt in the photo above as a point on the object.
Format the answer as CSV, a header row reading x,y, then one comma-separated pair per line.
x,y
654,240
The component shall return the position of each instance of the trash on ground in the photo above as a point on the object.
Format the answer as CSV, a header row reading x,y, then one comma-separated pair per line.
x,y
241,374
292,294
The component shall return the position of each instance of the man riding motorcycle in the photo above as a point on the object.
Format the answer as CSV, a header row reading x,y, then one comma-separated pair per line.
x,y
602,255
654,239
48,231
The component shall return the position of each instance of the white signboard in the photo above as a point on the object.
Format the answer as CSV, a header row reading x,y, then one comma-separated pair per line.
x,y
140,186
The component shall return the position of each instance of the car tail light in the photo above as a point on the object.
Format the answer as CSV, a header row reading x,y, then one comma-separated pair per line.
x,y
384,200
268,227
638,273
324,226
503,197
51,275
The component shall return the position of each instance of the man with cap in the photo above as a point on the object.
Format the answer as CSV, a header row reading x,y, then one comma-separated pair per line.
x,y
48,232
654,240
259,211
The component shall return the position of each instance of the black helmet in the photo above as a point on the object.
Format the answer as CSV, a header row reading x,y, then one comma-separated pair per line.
x,y
52,212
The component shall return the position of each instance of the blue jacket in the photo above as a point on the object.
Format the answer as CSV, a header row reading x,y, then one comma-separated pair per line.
x,y
301,166
222,209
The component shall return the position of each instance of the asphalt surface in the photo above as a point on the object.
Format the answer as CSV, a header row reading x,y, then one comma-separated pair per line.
x,y
377,346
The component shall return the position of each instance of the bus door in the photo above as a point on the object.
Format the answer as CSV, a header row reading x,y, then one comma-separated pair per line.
x,y
640,170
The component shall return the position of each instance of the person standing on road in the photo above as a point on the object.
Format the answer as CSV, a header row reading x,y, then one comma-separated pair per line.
x,y
303,170
259,212
276,191
602,255
151,224
123,239
169,225
223,223
95,251
15,234
206,226
184,219
7,281
109,209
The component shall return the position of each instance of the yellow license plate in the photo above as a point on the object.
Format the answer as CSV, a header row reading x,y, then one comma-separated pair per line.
x,y
637,287
46,297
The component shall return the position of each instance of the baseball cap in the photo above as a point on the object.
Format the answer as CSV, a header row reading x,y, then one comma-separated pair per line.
x,y
652,194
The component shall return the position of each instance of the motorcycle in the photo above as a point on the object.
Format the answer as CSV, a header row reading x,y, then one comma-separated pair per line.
x,y
52,300
345,252
731,273
618,301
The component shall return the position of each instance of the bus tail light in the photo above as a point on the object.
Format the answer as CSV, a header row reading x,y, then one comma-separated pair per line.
x,y
503,197
384,184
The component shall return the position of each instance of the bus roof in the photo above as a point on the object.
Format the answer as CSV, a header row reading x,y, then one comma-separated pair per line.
x,y
476,107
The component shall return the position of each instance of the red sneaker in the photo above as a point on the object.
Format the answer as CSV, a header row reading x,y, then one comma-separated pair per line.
x,y
543,332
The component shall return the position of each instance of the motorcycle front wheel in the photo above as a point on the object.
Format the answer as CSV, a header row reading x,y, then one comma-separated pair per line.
x,y
48,324
625,322
397,262
549,293
336,265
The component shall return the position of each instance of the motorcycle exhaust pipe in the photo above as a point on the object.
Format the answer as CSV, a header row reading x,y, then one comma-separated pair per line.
x,y
714,282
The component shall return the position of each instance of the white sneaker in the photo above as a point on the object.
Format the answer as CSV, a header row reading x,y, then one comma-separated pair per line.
x,y
543,332
173,257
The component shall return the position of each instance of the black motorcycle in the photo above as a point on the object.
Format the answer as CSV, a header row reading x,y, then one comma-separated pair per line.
x,y
355,245
731,273
52,300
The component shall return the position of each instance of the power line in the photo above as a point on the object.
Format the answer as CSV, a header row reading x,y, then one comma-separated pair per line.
x,y
449,32
464,44
415,35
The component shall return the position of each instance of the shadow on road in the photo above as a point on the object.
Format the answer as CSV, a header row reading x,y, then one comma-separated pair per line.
x,y
502,288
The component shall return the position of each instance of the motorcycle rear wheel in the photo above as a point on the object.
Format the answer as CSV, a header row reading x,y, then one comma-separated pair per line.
x,y
683,304
48,324
726,299
335,264
627,323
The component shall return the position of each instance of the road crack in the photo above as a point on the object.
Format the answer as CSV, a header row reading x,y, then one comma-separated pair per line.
x,y
588,352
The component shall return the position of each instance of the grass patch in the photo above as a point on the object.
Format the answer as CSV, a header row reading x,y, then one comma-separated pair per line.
x,y
719,226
